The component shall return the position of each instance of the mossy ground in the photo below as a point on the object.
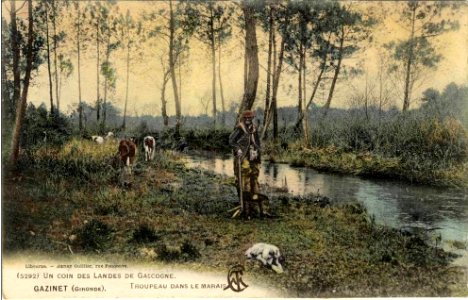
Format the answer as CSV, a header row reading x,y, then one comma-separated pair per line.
x,y
71,200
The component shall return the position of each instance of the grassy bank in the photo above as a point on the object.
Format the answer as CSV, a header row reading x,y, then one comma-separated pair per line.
x,y
368,164
71,200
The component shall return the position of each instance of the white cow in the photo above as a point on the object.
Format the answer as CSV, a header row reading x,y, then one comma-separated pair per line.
x,y
98,139
149,144
110,135
268,254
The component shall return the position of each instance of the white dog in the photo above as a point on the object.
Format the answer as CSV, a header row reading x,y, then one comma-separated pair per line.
x,y
268,254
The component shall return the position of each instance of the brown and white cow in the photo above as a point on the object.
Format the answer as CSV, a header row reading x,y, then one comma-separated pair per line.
x,y
149,144
127,152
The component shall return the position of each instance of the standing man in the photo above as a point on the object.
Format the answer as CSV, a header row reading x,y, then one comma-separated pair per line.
x,y
245,143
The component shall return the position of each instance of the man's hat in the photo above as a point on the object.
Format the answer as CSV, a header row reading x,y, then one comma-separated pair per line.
x,y
248,114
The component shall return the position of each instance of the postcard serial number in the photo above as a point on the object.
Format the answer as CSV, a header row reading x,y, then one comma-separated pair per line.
x,y
27,275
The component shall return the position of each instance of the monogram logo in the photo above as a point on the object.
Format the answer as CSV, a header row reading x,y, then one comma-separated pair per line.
x,y
234,278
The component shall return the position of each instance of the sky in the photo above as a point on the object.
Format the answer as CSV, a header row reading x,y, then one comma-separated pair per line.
x,y
146,71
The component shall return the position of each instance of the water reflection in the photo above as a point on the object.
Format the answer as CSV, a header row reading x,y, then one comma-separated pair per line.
x,y
392,203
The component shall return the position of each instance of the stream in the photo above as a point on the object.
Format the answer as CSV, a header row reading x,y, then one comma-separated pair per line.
x,y
393,203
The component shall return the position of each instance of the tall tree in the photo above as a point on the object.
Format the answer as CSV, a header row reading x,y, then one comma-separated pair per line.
x,y
212,21
111,43
16,54
268,25
250,92
424,21
21,109
97,15
351,29
282,15
171,26
131,37
172,62
301,39
65,71
80,34
8,106
44,10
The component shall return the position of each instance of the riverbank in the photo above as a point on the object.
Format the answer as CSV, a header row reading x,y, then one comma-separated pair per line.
x,y
410,165
368,164
171,214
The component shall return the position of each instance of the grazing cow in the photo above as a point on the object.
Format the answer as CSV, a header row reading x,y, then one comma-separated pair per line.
x,y
268,254
127,152
110,135
98,139
150,144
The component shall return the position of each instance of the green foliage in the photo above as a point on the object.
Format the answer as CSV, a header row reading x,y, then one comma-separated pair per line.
x,y
167,254
41,127
209,140
83,160
330,251
145,234
95,236
189,251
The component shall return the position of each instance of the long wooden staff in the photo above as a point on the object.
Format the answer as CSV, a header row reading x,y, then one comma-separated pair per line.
x,y
241,197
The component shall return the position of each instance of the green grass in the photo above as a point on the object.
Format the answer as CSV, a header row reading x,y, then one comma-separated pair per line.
x,y
174,215
368,164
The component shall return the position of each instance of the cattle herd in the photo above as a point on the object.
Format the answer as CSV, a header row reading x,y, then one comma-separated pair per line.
x,y
128,148
269,255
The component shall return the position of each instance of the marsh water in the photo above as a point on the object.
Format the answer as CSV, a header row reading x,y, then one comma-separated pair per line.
x,y
394,203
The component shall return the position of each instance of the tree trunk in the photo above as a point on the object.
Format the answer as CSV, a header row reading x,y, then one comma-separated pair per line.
x,y
54,27
179,69
300,112
49,72
172,67
252,55
78,46
380,88
305,114
7,103
269,73
314,91
213,63
409,62
276,78
337,72
223,103
126,89
163,98
21,108
106,85
98,100
276,73
246,63
319,79
16,53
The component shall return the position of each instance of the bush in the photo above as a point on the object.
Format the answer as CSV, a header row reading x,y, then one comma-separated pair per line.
x,y
167,254
189,251
95,236
41,127
144,234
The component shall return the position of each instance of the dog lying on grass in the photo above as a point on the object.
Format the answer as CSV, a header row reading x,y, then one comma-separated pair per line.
x,y
268,254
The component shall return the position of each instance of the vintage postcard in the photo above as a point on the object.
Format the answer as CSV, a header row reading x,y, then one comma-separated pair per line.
x,y
234,149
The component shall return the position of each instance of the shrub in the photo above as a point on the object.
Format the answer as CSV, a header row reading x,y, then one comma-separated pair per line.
x,y
189,251
41,127
167,254
95,236
144,234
